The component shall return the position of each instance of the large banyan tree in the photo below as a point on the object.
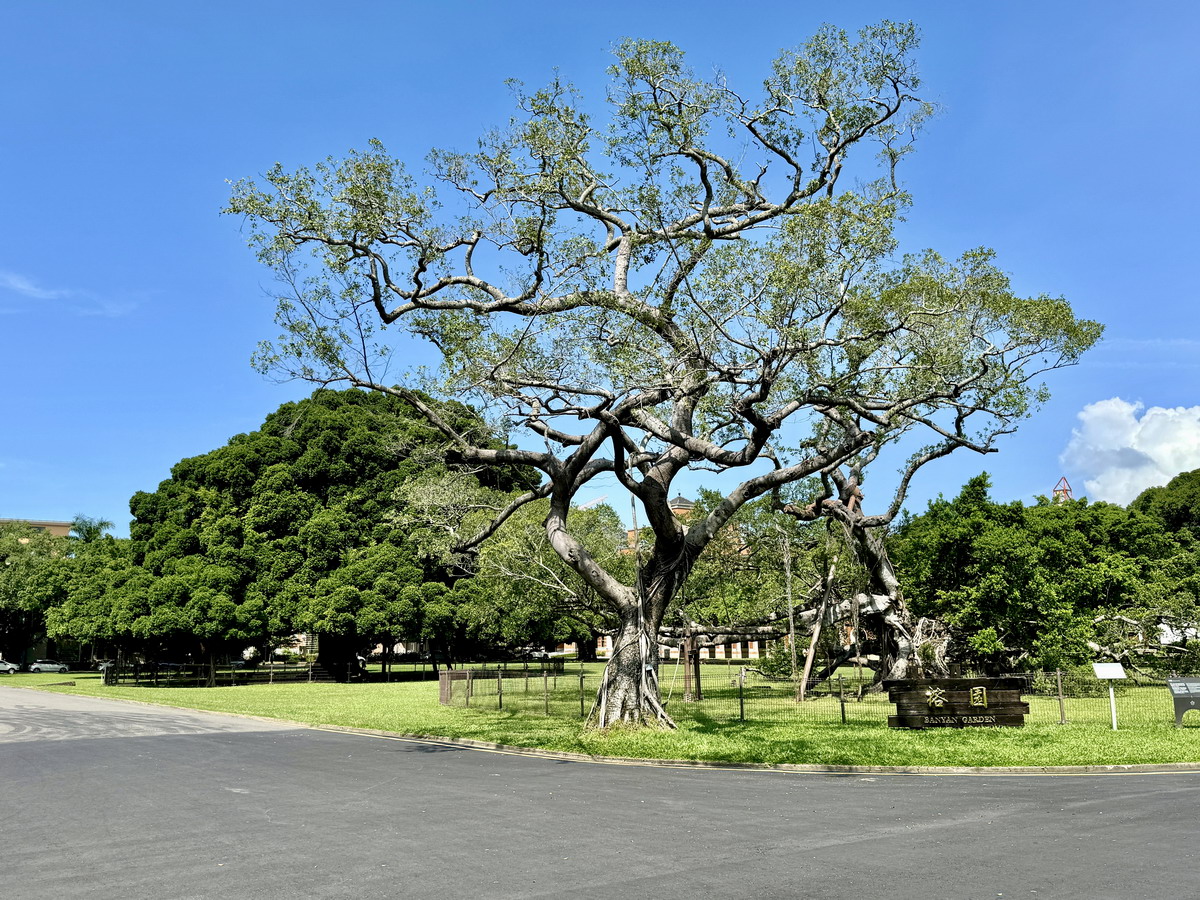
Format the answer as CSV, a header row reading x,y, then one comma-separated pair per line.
x,y
704,278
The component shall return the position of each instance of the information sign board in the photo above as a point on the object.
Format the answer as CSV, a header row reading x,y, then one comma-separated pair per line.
x,y
956,702
1109,671
1186,694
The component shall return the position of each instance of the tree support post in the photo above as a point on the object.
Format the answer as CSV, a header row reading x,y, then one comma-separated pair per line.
x,y
685,652
1062,707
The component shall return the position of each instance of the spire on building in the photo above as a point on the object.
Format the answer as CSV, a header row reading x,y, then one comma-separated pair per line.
x,y
1062,491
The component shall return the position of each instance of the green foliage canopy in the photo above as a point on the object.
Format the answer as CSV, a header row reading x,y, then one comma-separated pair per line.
x,y
1047,585
286,529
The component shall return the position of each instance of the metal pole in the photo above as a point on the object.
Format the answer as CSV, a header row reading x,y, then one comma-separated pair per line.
x,y
1112,702
499,689
1062,708
842,698
546,691
582,713
742,694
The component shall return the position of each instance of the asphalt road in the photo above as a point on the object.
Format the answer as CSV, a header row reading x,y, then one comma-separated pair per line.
x,y
102,799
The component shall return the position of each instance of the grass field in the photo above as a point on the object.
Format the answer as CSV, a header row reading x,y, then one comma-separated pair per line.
x,y
1147,734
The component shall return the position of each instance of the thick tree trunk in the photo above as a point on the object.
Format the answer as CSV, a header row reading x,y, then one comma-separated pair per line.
x,y
883,609
629,689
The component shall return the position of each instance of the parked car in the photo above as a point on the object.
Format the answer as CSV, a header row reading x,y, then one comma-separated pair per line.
x,y
8,668
48,665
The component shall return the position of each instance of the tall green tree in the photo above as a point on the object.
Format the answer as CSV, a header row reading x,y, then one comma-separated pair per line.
x,y
524,593
105,594
707,279
89,529
290,528
32,579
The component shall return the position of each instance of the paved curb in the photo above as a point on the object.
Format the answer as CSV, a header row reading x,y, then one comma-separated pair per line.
x,y
794,768
782,768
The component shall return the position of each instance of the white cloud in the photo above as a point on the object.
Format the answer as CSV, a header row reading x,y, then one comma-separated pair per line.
x,y
26,287
83,303
1121,454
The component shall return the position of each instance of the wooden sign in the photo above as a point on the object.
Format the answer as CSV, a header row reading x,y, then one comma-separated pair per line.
x,y
956,702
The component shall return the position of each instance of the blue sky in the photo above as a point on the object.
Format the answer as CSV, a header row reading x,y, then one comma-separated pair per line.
x,y
129,307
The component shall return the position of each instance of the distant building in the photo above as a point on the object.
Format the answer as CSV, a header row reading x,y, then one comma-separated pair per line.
x,y
680,505
58,529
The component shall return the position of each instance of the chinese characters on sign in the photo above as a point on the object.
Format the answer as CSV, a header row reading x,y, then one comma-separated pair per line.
x,y
957,702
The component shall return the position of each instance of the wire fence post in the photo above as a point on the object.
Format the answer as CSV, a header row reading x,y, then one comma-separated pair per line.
x,y
499,689
742,694
581,710
546,690
842,697
467,697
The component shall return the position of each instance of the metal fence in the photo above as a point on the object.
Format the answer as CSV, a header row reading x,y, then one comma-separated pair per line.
x,y
731,694
197,674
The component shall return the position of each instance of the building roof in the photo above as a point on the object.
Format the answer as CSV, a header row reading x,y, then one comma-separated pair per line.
x,y
681,502
60,529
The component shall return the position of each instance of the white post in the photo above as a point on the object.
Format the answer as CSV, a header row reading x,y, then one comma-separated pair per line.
x,y
1110,672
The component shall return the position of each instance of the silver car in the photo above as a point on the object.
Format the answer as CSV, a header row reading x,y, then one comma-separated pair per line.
x,y
47,665
8,668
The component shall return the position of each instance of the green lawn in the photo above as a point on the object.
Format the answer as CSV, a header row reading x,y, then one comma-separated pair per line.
x,y
412,708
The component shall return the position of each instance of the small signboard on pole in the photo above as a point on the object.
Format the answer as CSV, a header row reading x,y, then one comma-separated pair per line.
x,y
1110,672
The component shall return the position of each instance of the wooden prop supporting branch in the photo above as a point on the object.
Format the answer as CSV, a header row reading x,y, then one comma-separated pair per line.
x,y
787,575
816,635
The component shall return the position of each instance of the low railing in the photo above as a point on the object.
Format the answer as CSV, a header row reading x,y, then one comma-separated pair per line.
x,y
744,695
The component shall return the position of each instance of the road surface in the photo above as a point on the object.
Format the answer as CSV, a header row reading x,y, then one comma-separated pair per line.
x,y
103,799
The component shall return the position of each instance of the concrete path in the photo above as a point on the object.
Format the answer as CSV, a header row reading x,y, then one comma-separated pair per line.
x,y
107,799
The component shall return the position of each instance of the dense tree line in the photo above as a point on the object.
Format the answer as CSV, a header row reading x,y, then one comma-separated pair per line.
x,y
1057,584
322,521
